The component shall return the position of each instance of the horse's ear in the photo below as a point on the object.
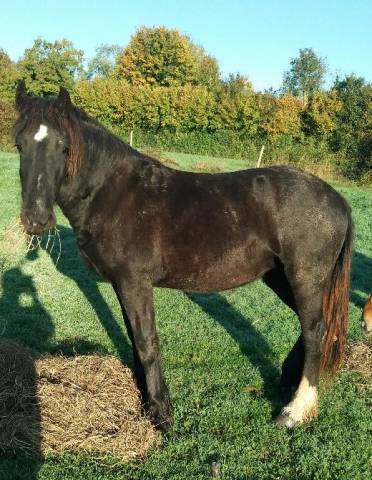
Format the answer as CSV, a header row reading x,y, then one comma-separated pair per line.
x,y
21,98
63,100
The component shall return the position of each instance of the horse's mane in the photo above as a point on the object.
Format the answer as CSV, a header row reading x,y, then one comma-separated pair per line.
x,y
69,121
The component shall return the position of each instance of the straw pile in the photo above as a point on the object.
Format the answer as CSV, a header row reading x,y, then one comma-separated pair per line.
x,y
359,359
82,404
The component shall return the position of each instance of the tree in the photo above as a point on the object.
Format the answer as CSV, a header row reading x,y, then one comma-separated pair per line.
x,y
306,74
8,76
48,65
353,131
237,106
321,112
284,118
160,56
103,63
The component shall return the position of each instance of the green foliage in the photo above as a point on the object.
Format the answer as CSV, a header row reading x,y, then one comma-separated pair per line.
x,y
221,143
103,63
306,74
236,107
354,126
8,76
48,65
118,103
320,114
160,56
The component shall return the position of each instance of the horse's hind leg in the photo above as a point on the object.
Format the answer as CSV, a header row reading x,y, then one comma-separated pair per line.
x,y
294,363
303,406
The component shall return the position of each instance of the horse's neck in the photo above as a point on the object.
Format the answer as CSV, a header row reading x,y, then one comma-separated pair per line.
x,y
94,172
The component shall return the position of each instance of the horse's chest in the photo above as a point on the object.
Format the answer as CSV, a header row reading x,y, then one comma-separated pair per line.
x,y
92,257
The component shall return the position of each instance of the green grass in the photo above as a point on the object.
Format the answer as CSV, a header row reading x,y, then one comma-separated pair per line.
x,y
188,161
221,355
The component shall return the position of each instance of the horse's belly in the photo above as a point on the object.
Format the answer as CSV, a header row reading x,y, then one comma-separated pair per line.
x,y
221,274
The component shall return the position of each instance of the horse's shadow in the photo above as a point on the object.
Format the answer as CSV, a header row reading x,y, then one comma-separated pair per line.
x,y
361,278
252,344
70,265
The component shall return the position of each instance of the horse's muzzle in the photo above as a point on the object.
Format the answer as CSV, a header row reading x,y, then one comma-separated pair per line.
x,y
37,224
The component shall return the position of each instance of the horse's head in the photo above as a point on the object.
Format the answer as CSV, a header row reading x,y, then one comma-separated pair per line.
x,y
43,135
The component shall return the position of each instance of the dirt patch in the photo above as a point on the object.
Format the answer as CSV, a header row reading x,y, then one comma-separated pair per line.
x,y
81,404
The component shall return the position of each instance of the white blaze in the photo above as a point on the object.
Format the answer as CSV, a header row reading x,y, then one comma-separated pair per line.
x,y
41,133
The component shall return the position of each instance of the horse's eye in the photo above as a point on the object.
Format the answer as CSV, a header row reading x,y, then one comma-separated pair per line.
x,y
65,150
18,147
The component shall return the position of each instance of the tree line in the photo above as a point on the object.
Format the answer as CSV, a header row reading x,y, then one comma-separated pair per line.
x,y
171,93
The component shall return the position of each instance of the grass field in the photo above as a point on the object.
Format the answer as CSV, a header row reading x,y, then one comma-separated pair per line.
x,y
221,355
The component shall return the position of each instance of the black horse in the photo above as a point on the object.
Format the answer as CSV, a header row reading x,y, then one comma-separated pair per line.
x,y
140,224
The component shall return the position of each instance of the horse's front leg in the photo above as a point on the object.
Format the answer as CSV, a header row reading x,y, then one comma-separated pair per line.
x,y
138,311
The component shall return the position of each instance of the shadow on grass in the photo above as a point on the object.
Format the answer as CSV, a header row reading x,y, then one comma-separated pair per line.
x,y
251,342
71,265
361,278
24,319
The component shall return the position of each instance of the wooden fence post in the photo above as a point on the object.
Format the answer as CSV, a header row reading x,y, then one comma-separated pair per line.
x,y
131,138
260,156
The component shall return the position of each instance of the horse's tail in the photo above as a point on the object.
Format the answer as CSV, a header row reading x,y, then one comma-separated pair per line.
x,y
336,305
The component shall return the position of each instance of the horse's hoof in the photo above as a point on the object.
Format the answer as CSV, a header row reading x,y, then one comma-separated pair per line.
x,y
285,419
163,424
160,417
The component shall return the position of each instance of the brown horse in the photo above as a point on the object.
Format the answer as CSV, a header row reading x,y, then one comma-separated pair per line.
x,y
367,316
140,224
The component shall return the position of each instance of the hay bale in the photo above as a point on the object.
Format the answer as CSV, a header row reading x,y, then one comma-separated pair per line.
x,y
82,404
19,411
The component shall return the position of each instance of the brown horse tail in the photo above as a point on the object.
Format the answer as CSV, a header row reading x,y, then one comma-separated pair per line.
x,y
336,305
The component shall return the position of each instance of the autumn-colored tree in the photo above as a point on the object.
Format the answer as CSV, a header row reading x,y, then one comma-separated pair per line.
x,y
48,65
284,117
7,119
165,57
321,112
151,108
306,74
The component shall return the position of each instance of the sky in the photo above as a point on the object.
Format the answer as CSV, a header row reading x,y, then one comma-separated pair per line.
x,y
255,38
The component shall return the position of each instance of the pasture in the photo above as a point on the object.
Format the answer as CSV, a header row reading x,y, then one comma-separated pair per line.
x,y
221,356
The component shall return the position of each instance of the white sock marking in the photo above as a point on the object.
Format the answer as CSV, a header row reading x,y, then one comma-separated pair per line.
x,y
41,133
304,403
